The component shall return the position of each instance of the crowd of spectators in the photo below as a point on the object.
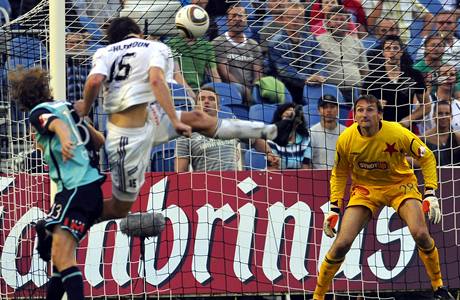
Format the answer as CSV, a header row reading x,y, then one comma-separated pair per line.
x,y
362,47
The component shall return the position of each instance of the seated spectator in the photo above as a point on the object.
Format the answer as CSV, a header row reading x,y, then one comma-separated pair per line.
x,y
272,23
398,85
206,154
444,143
344,54
445,24
446,87
324,134
434,47
402,12
239,59
297,154
77,71
196,59
383,28
320,8
296,55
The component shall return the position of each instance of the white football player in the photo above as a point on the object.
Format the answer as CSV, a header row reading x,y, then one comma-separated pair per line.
x,y
134,73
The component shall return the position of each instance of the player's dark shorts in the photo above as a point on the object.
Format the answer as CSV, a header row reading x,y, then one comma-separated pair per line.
x,y
76,209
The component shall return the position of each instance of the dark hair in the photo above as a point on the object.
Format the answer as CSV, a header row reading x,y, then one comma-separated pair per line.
x,y
120,28
336,9
236,5
406,60
302,128
442,102
29,87
370,99
430,37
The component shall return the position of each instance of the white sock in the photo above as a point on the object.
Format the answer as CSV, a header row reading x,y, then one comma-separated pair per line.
x,y
228,129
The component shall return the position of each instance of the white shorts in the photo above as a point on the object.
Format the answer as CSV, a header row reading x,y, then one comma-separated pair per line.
x,y
128,151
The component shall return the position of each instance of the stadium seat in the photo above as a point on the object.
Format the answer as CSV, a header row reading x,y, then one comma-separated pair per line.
x,y
254,160
239,110
257,98
225,112
26,51
162,157
182,101
369,42
262,112
229,94
312,93
311,117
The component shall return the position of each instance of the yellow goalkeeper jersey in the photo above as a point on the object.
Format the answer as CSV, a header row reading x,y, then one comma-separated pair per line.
x,y
379,160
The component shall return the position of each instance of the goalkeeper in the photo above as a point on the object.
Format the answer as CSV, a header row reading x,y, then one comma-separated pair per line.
x,y
374,152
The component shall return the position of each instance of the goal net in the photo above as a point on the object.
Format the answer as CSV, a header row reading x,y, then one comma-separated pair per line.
x,y
236,224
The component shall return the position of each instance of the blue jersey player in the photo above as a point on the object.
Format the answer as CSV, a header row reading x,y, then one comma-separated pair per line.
x,y
69,146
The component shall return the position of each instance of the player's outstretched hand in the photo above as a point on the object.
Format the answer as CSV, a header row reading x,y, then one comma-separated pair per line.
x,y
330,221
431,206
80,108
183,129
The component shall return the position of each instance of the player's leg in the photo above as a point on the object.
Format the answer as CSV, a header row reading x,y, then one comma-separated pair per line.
x,y
63,258
235,128
128,152
410,210
353,221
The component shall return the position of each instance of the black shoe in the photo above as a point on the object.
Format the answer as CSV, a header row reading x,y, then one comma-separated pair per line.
x,y
44,241
442,293
284,128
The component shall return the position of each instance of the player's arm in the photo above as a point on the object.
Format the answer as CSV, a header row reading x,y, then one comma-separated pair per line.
x,y
163,96
97,138
339,177
93,84
46,123
62,131
418,150
91,91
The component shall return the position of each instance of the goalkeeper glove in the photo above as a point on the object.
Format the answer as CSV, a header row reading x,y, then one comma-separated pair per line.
x,y
331,219
431,206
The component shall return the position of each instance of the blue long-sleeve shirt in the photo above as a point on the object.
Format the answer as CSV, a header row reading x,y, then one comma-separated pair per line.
x,y
296,62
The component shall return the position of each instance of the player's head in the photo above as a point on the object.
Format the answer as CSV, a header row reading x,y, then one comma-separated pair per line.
x,y
29,87
208,101
122,28
368,111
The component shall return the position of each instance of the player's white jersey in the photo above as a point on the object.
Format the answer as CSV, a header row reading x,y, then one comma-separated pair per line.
x,y
126,67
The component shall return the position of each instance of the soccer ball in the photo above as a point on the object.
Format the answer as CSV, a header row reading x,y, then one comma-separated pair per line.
x,y
192,21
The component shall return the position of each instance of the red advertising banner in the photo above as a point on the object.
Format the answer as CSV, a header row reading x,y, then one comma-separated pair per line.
x,y
227,233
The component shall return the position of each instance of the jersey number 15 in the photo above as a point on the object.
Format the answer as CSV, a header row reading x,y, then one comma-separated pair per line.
x,y
120,68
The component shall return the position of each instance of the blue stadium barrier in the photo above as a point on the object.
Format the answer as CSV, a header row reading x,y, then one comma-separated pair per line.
x,y
228,93
182,101
254,160
162,157
240,111
26,51
262,112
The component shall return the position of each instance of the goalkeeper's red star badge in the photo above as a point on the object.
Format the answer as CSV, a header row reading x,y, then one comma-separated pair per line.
x,y
391,148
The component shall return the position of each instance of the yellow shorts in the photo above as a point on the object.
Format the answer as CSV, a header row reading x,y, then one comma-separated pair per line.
x,y
375,197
